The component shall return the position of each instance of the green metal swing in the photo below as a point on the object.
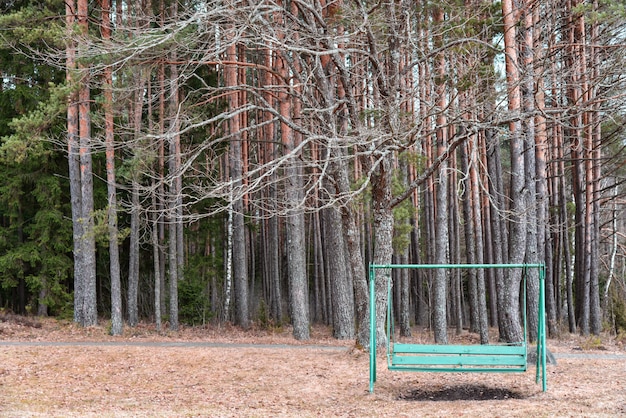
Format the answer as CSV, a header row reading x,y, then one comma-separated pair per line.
x,y
500,358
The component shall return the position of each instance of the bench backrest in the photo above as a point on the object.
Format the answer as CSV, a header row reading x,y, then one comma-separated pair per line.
x,y
459,357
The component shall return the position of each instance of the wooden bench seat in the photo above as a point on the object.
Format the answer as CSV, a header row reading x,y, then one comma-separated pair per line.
x,y
458,358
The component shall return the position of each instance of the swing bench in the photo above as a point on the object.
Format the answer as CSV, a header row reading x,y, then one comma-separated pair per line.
x,y
488,358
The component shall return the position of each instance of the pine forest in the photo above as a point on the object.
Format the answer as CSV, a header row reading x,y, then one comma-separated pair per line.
x,y
195,162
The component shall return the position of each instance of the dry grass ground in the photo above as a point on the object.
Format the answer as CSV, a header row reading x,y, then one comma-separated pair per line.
x,y
137,375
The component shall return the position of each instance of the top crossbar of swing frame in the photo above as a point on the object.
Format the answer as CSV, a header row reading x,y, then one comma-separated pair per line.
x,y
495,352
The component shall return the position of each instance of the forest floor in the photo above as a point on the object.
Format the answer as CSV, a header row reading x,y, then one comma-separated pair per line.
x,y
55,368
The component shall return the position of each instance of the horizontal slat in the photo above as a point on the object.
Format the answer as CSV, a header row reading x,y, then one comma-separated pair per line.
x,y
477,369
500,350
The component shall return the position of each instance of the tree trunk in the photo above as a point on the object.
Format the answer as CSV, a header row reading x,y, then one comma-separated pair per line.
x,y
454,235
156,259
383,236
594,149
74,167
174,198
228,266
483,319
239,255
470,240
404,305
173,273
114,258
276,293
544,248
87,240
530,171
296,260
498,231
161,193
440,286
320,270
133,256
508,288
342,294
176,254
565,243
294,233
356,263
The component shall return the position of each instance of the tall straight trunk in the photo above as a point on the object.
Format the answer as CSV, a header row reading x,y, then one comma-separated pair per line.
x,y
498,231
320,269
528,126
240,261
483,317
88,241
456,289
175,236
273,247
173,275
156,259
594,145
296,258
276,298
580,276
576,60
419,287
293,139
470,240
544,248
614,247
489,244
114,257
174,198
74,166
133,256
228,266
402,283
404,301
564,222
161,194
483,323
383,235
355,256
155,212
341,293
440,286
554,252
508,288
316,272
586,191
294,222
239,253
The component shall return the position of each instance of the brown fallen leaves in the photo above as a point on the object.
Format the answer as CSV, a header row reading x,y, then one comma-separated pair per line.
x,y
258,373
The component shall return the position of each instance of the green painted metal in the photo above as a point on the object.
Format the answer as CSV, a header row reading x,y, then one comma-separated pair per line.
x,y
477,350
448,369
461,362
372,282
541,332
458,358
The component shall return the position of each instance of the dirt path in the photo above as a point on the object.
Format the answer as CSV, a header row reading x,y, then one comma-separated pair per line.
x,y
164,344
200,344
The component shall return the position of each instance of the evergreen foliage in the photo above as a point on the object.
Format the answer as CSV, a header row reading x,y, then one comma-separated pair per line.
x,y
346,104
